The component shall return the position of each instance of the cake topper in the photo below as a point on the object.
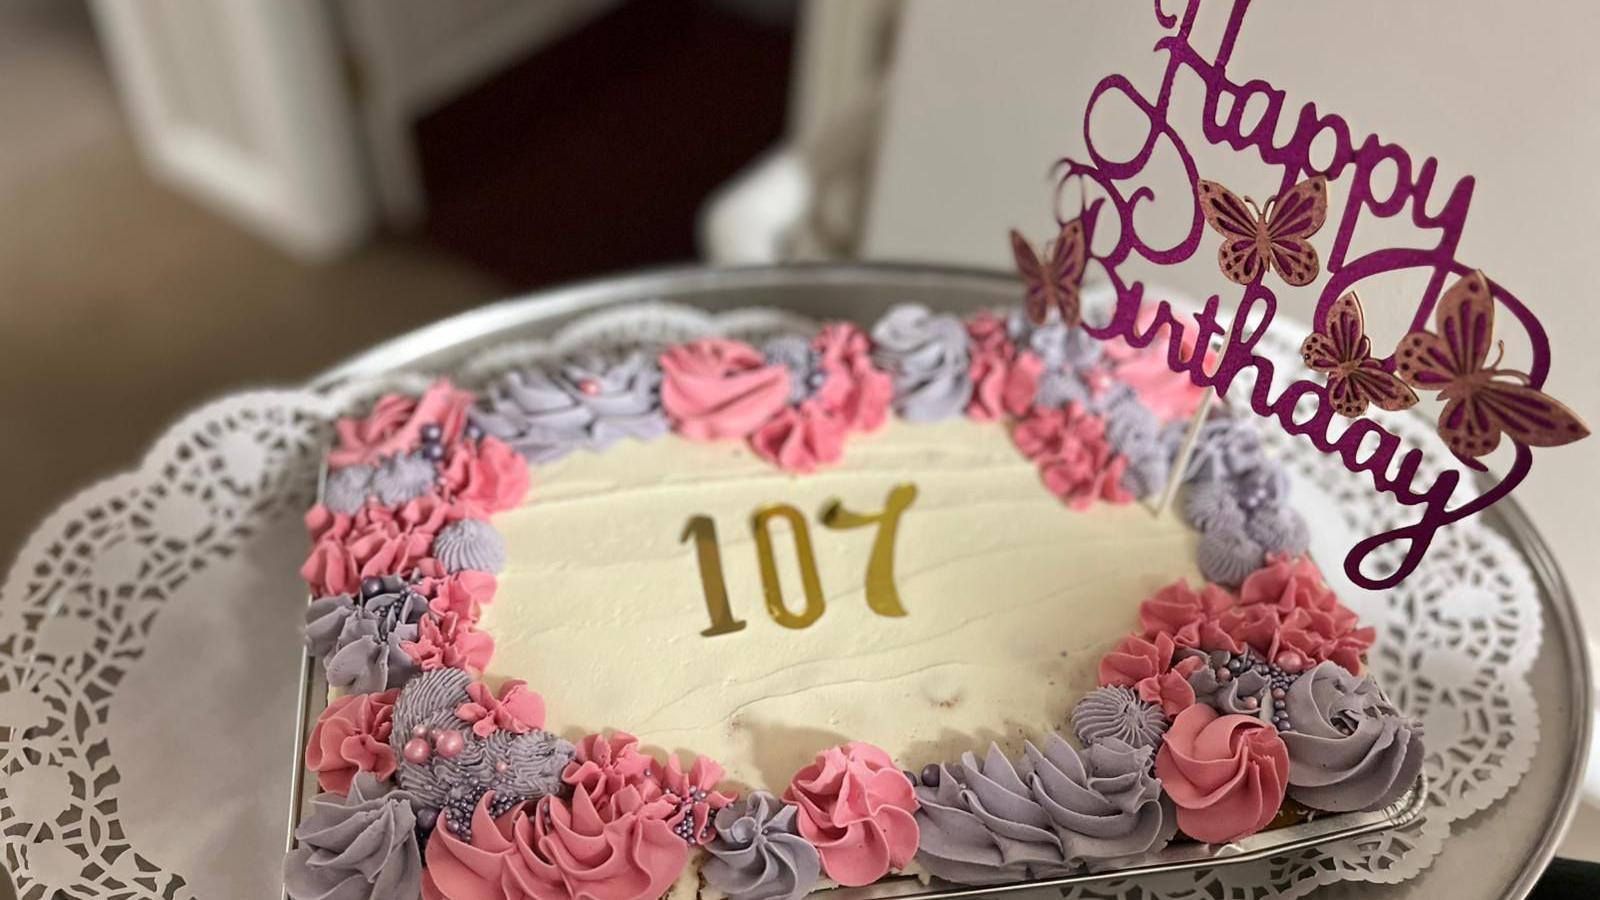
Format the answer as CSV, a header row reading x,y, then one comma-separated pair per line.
x,y
1053,277
1378,180
1341,351
1480,405
1277,237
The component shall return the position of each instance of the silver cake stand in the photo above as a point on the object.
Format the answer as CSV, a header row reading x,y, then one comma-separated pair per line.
x,y
1499,853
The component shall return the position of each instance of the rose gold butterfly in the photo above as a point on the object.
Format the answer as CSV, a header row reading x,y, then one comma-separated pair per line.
x,y
1481,402
1342,352
1053,282
1277,237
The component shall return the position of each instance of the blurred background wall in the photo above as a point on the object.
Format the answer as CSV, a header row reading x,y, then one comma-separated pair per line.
x,y
198,196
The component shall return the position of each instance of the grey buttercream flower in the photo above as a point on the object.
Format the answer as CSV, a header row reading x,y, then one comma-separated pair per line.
x,y
402,477
1053,812
358,637
470,544
1279,530
927,360
362,846
1348,747
345,489
517,767
757,852
1227,556
588,401
1114,712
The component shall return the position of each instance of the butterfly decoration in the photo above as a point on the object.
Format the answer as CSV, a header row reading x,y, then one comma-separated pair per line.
x,y
1053,277
1277,237
1341,351
1482,402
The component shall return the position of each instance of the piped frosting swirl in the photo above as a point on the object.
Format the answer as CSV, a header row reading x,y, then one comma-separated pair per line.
x,y
926,356
758,853
361,846
1052,813
1348,747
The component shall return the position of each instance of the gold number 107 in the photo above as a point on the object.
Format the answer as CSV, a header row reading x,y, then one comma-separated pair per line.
x,y
883,597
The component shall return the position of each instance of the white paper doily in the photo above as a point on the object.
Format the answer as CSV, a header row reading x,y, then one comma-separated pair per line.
x,y
150,630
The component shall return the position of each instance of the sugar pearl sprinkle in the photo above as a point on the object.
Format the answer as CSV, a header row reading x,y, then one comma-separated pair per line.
x,y
1280,675
425,742
685,827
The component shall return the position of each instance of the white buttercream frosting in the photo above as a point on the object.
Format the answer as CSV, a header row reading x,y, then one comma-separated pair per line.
x,y
1011,599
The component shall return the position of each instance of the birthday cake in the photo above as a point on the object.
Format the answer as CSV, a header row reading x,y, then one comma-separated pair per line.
x,y
979,599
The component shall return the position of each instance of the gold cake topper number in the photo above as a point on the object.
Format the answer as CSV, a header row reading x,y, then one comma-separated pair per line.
x,y
883,597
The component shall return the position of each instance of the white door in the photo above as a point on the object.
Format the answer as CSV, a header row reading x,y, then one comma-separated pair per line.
x,y
243,104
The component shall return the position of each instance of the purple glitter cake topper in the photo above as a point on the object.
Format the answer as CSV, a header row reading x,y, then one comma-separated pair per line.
x,y
1269,248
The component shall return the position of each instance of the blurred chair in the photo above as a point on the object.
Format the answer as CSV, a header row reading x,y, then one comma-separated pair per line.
x,y
805,199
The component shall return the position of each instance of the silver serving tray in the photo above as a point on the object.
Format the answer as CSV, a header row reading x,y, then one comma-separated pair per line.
x,y
862,292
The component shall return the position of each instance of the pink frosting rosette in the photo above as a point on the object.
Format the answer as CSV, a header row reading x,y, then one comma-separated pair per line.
x,y
464,593
1191,618
485,476
1227,774
515,709
1075,460
351,736
395,425
1288,613
449,642
854,396
1168,394
715,389
376,540
1004,379
557,853
857,808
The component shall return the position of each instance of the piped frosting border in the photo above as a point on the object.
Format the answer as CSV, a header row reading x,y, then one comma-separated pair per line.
x,y
1228,699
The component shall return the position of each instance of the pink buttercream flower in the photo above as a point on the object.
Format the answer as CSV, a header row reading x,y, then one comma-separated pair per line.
x,y
1191,618
1168,394
1076,462
1134,659
516,709
351,736
464,593
605,766
800,438
1226,774
857,809
1004,379
714,389
376,540
854,391
395,425
696,795
1287,608
853,396
1171,689
559,852
449,642
485,476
